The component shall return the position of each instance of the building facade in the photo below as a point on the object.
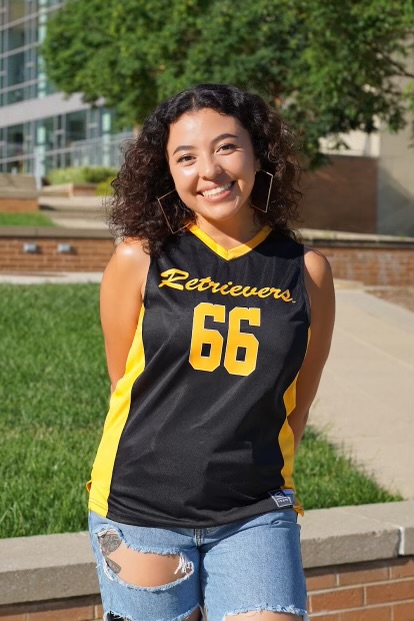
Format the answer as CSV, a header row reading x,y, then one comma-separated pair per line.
x,y
41,129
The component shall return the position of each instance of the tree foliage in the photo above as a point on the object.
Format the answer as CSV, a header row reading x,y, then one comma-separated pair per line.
x,y
330,65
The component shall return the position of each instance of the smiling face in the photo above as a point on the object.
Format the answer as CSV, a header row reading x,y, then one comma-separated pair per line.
x,y
213,166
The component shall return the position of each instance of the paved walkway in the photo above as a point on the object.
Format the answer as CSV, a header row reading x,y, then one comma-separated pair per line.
x,y
366,399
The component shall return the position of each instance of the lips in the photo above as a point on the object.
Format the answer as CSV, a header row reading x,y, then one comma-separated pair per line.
x,y
211,193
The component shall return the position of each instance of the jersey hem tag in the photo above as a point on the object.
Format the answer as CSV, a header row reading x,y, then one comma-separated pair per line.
x,y
281,499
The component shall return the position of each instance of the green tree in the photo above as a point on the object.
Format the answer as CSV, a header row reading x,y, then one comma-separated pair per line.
x,y
330,65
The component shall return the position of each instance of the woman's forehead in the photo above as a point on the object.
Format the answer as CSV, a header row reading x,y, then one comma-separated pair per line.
x,y
204,123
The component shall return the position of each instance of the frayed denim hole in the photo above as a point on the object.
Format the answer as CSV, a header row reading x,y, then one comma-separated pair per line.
x,y
145,550
187,614
184,566
113,616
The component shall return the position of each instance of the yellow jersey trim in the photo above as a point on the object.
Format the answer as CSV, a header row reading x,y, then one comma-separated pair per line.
x,y
232,253
287,439
114,425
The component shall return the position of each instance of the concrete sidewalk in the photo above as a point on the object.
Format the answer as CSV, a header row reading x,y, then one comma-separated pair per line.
x,y
365,403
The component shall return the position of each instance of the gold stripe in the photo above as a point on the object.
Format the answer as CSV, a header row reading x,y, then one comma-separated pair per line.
x,y
287,439
114,424
233,253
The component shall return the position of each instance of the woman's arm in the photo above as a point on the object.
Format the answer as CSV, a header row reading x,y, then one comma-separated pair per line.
x,y
319,285
122,291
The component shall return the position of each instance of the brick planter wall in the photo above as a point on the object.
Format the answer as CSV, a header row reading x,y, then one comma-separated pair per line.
x,y
372,261
90,251
375,591
371,266
18,205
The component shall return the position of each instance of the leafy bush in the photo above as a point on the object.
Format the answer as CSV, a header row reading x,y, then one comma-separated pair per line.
x,y
97,174
81,174
104,188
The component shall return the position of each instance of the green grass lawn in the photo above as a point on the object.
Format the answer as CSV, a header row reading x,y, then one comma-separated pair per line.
x,y
53,400
32,218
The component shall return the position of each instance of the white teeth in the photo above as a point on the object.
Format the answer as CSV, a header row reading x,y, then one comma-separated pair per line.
x,y
216,191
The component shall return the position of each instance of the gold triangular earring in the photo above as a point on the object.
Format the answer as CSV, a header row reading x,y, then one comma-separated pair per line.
x,y
164,213
266,209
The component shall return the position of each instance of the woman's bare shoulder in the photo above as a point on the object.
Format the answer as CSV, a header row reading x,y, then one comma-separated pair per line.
x,y
129,258
317,265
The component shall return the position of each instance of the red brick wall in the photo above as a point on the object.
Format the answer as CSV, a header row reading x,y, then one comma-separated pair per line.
x,y
371,266
73,609
18,205
88,255
374,591
342,195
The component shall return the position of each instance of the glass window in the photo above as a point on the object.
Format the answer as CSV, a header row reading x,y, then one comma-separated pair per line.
x,y
50,88
49,163
2,74
16,9
93,116
31,6
75,126
30,64
49,129
3,13
2,142
15,69
32,32
15,37
14,138
30,91
13,96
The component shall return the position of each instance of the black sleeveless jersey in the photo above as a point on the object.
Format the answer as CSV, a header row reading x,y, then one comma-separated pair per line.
x,y
197,433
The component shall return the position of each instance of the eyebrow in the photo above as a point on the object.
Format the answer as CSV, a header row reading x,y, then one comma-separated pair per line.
x,y
188,147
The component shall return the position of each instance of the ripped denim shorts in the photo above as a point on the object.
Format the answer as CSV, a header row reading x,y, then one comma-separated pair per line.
x,y
246,566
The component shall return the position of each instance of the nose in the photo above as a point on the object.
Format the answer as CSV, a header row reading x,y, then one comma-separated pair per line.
x,y
209,167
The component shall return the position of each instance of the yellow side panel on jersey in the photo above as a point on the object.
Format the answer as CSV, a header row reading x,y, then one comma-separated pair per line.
x,y
286,436
114,424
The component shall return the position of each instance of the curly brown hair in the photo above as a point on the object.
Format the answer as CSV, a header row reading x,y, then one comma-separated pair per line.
x,y
145,174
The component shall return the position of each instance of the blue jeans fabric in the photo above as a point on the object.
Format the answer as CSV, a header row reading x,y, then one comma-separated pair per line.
x,y
241,567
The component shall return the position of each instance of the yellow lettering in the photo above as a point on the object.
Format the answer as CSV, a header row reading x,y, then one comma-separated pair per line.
x,y
204,284
191,284
236,291
171,276
215,286
223,289
249,291
264,293
286,297
276,293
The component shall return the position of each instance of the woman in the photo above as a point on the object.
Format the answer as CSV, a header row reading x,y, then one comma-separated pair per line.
x,y
206,313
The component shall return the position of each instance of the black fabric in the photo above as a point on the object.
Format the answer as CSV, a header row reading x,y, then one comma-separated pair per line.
x,y
201,448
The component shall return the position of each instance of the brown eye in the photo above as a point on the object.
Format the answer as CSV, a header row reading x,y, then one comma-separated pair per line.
x,y
184,158
227,147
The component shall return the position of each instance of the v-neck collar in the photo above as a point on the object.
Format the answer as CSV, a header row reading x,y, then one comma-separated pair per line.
x,y
232,253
